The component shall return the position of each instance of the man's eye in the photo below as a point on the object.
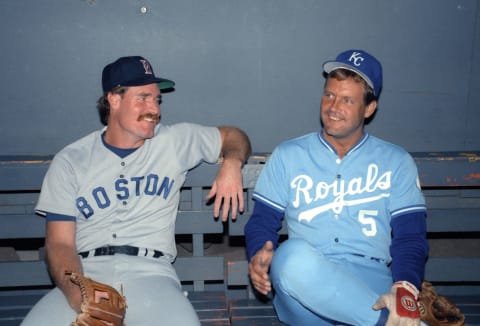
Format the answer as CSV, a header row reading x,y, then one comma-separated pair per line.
x,y
159,100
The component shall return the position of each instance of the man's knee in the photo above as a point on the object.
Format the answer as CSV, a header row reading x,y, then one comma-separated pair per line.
x,y
291,258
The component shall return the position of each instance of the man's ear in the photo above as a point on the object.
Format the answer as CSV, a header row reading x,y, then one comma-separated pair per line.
x,y
114,100
370,110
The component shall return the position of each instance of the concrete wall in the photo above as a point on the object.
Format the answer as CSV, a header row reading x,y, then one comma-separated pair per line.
x,y
253,63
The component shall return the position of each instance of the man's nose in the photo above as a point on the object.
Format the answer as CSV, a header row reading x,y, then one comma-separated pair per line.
x,y
154,106
331,103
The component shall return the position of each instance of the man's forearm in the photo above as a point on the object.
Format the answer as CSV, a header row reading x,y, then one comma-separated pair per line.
x,y
61,259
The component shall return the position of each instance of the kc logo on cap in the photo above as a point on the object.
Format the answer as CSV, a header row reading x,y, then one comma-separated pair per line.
x,y
356,58
360,62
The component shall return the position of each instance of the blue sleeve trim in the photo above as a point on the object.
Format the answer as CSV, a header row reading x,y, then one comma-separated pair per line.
x,y
59,217
263,225
409,249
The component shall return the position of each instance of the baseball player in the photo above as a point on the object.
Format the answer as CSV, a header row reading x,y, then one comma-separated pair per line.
x,y
355,213
110,200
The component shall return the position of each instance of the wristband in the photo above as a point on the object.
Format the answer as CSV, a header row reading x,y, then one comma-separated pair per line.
x,y
406,300
408,286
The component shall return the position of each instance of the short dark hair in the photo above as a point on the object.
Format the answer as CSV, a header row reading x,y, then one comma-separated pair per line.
x,y
103,105
342,74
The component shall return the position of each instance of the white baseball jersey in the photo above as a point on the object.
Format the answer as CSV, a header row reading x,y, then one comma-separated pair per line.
x,y
341,206
131,200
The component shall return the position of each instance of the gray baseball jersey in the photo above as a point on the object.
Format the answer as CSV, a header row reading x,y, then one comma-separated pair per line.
x,y
131,200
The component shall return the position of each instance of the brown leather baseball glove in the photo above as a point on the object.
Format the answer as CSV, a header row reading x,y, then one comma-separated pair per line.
x,y
437,310
101,304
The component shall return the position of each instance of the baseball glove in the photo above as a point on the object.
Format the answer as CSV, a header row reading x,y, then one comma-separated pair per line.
x,y
437,310
101,304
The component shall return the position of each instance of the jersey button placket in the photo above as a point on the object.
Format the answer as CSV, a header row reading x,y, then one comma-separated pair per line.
x,y
338,178
122,176
122,211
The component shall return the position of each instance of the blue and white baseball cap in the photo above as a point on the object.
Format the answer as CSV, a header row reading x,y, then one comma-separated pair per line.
x,y
362,63
131,71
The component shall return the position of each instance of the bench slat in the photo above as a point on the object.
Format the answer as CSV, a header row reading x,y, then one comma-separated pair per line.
x,y
253,312
246,312
21,226
447,169
452,269
24,273
439,220
206,268
23,172
26,172
453,220
437,270
24,226
34,273
189,222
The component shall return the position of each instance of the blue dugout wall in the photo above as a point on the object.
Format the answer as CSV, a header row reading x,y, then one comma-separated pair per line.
x,y
256,64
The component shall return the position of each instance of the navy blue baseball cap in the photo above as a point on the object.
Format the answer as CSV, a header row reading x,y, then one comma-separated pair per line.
x,y
131,71
362,63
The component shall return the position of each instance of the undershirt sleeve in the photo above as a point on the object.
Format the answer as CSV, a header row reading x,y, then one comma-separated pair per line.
x,y
409,248
263,225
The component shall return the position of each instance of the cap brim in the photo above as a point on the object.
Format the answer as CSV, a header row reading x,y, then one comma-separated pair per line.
x,y
334,65
165,84
162,83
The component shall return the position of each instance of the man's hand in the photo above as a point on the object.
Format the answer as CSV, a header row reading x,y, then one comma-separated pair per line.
x,y
401,303
228,189
259,266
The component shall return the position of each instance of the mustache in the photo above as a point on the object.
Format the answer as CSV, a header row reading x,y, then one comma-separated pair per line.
x,y
150,116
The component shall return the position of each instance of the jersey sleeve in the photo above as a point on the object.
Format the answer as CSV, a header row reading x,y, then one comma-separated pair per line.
x,y
196,143
270,188
407,196
58,189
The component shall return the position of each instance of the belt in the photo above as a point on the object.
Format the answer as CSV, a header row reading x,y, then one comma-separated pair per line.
x,y
378,260
125,250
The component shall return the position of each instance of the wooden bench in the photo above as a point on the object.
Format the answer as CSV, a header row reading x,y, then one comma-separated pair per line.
x,y
451,184
23,282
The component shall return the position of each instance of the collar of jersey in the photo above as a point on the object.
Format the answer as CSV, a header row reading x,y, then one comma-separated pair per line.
x,y
360,142
121,152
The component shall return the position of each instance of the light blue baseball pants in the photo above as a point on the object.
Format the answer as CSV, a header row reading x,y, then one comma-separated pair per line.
x,y
314,289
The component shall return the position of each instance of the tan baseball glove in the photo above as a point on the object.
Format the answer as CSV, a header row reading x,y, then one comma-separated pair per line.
x,y
101,304
437,310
